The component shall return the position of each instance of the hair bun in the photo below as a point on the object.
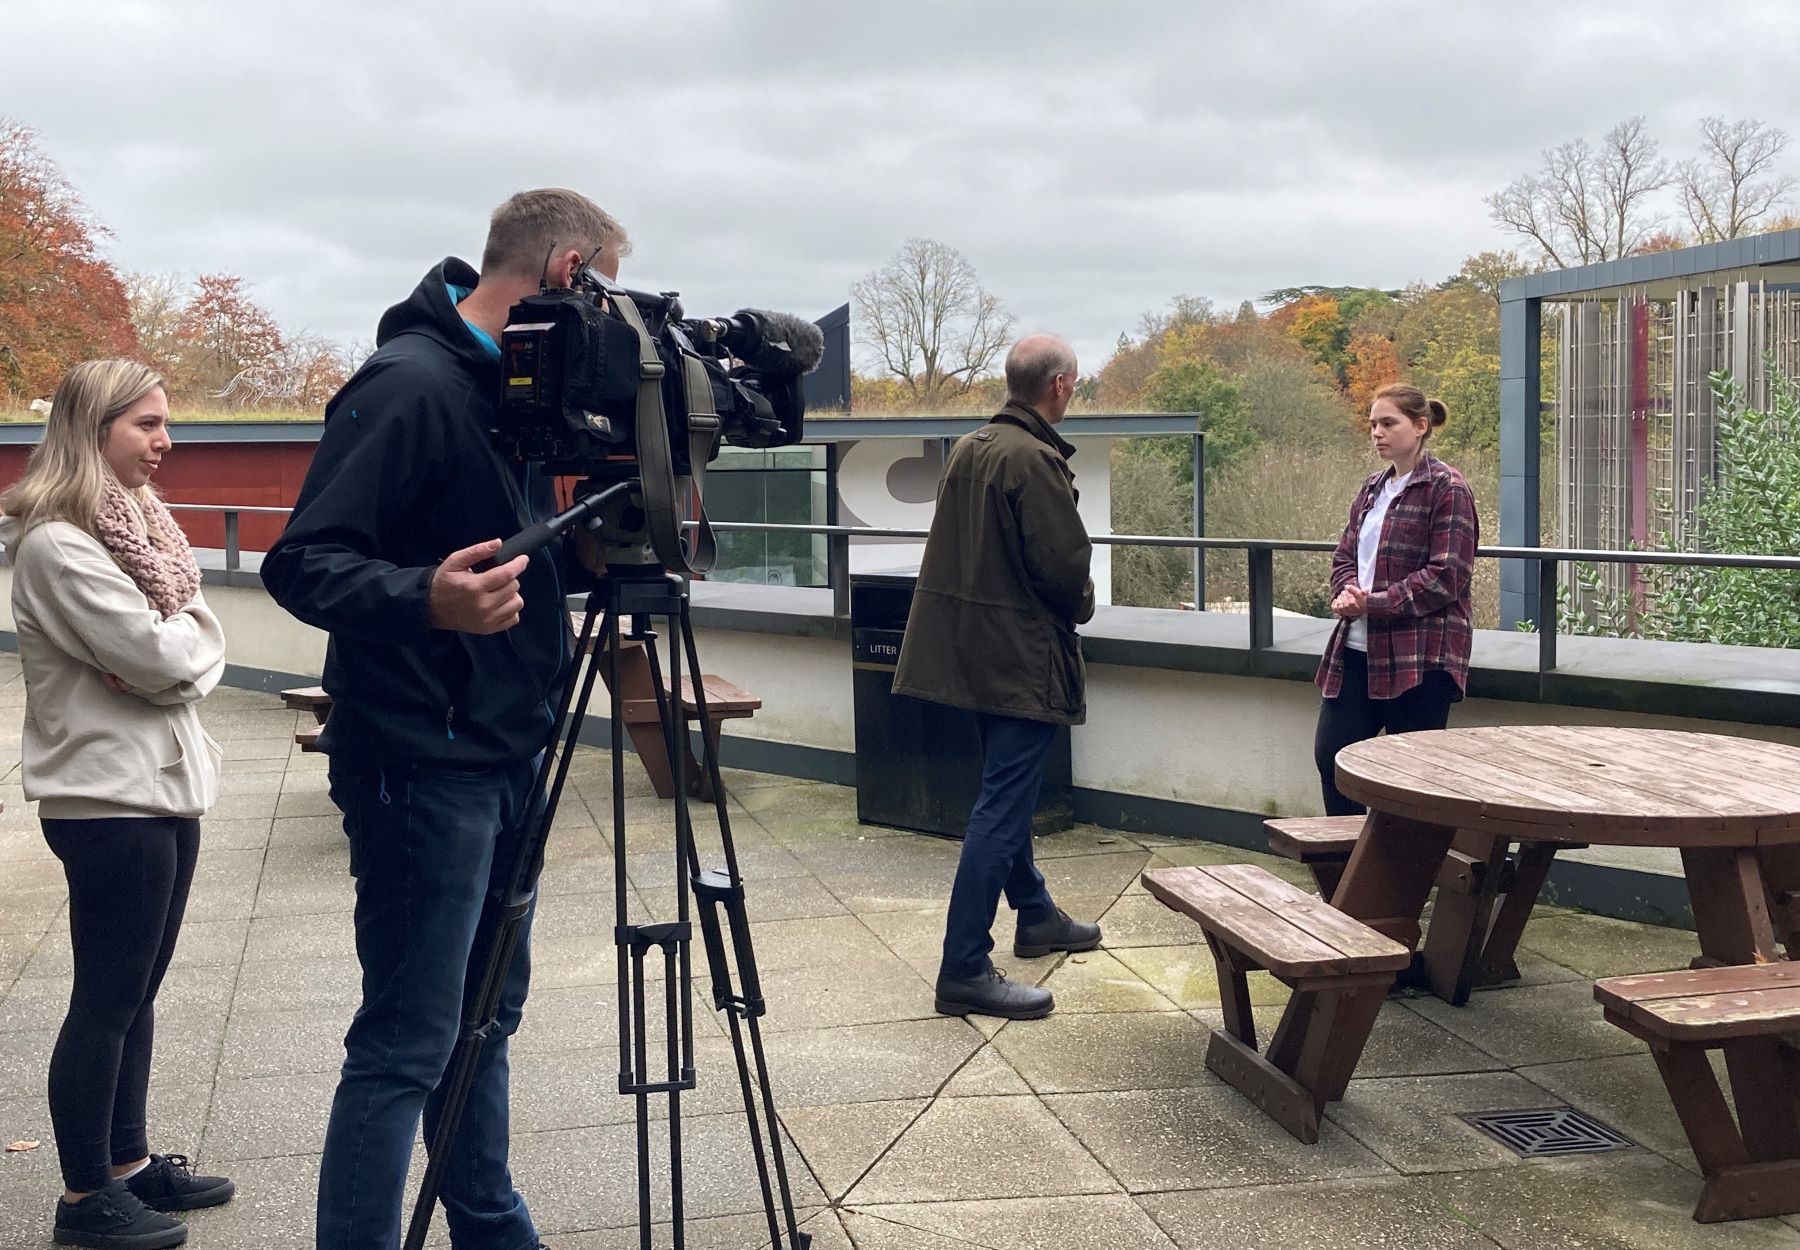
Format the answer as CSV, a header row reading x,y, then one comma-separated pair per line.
x,y
1439,413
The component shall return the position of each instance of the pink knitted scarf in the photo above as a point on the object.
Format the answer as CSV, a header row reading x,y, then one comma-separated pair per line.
x,y
143,537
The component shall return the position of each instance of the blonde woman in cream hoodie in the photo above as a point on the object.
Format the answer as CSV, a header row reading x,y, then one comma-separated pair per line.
x,y
118,648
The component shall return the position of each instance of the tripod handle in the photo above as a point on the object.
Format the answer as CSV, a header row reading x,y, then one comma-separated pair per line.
x,y
540,535
526,540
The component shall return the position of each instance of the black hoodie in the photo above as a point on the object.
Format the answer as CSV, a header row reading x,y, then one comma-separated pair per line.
x,y
404,475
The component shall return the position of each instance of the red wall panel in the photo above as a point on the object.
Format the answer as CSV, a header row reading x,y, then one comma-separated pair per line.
x,y
264,475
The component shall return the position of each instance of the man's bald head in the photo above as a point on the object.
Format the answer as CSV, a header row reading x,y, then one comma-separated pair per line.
x,y
1034,366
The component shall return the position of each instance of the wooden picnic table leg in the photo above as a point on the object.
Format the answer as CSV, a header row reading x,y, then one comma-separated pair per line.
x,y
1763,1072
1781,874
1530,871
1385,884
1459,922
1731,904
699,780
1731,917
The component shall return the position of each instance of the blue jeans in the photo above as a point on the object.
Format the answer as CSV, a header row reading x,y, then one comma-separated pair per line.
x,y
996,849
427,848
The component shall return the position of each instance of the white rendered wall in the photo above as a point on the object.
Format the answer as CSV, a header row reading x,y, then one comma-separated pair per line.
x,y
1234,742
890,483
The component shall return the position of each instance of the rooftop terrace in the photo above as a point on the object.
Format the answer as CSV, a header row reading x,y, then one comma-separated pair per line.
x,y
1099,1125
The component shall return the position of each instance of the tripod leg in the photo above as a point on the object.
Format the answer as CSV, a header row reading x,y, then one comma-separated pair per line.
x,y
498,935
677,961
724,893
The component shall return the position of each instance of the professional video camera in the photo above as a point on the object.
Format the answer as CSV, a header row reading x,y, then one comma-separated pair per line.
x,y
618,386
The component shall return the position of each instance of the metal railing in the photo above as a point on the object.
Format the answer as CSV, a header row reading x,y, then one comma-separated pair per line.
x,y
1259,553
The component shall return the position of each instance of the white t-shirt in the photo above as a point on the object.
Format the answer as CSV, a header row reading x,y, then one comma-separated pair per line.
x,y
1368,542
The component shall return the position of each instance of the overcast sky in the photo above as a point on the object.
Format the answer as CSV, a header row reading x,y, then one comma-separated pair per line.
x,y
1092,160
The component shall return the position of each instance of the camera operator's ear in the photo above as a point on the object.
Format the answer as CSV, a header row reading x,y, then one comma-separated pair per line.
x,y
561,268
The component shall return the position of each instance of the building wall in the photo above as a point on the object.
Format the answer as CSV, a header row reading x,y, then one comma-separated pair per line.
x,y
260,475
891,483
1239,743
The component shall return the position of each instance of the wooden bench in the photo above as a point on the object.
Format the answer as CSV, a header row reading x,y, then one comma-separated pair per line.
x,y
1485,895
1322,843
638,709
1254,920
309,699
1752,1165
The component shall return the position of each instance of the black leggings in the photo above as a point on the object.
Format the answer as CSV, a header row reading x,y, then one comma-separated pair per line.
x,y
128,887
1354,717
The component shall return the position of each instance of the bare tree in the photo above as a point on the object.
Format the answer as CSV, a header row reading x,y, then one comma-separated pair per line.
x,y
156,301
1586,204
930,320
1732,184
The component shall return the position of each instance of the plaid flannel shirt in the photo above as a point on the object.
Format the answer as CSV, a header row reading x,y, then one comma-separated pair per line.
x,y
1419,605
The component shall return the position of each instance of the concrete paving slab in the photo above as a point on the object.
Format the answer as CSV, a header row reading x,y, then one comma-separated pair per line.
x,y
841,1142
1627,1093
1598,946
1206,1138
1331,1215
1620,1202
1532,1024
1074,1053
1032,1223
1186,974
986,1074
1413,1122
983,1148
1096,981
582,1179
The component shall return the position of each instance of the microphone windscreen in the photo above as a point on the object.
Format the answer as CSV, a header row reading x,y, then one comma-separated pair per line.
x,y
803,341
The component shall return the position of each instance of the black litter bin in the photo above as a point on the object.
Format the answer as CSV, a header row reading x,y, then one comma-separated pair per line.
x,y
918,764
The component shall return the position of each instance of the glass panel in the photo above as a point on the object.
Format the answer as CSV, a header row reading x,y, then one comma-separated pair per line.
x,y
784,486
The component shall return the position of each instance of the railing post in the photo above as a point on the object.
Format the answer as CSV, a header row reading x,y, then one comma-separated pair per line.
x,y
1546,621
233,550
837,546
1262,604
1199,520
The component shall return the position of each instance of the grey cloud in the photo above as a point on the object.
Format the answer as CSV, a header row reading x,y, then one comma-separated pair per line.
x,y
1092,160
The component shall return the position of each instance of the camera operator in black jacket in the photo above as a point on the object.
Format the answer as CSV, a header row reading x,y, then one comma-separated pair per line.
x,y
443,683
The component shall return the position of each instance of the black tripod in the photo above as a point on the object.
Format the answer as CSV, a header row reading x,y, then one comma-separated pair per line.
x,y
637,597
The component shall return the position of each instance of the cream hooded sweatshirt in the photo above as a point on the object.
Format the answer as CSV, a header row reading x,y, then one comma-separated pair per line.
x,y
89,751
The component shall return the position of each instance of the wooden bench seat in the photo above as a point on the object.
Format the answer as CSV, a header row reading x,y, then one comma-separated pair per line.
x,y
308,738
309,699
1254,920
1752,1165
1486,891
638,709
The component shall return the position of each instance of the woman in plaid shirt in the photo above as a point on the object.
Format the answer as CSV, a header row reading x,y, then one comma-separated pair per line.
x,y
1400,590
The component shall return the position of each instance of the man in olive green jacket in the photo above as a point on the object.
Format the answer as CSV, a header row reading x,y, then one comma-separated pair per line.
x,y
992,629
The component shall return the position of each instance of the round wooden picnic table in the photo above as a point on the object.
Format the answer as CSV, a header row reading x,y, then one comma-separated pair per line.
x,y
1601,785
1731,806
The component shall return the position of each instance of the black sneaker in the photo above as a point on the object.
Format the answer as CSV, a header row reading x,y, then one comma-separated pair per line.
x,y
114,1218
1058,933
167,1183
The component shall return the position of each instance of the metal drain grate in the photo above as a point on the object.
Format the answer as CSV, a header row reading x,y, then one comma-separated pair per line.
x,y
1548,1132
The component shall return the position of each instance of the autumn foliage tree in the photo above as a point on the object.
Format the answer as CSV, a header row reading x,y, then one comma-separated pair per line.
x,y
1373,363
60,300
222,335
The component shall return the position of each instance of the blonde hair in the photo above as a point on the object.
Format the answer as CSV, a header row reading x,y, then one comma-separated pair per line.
x,y
65,479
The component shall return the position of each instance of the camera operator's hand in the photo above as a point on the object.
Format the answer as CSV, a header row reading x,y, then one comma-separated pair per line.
x,y
476,603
